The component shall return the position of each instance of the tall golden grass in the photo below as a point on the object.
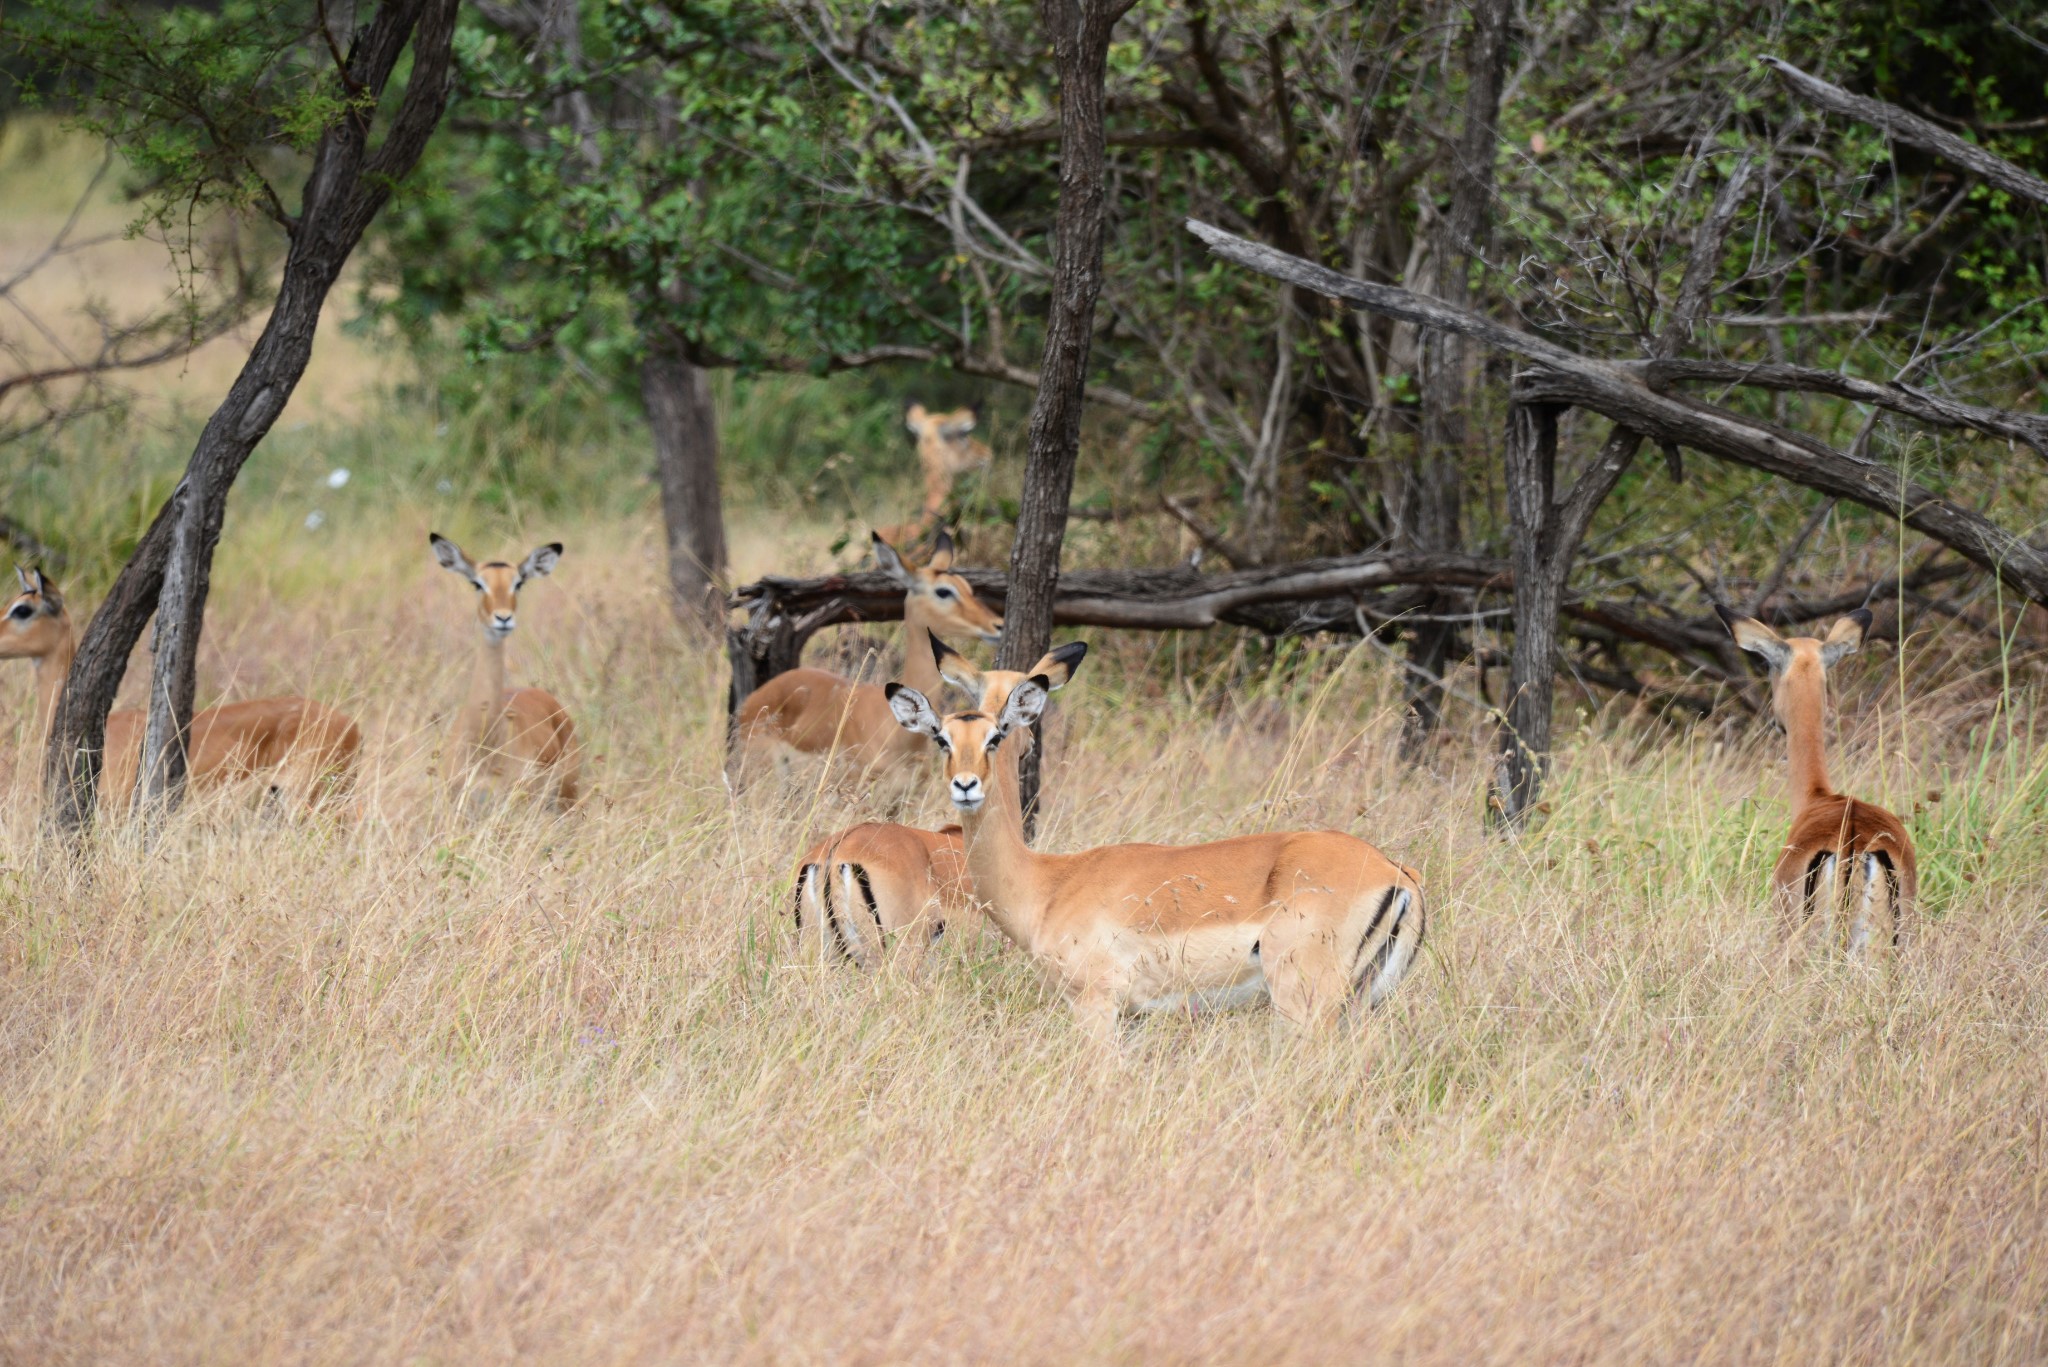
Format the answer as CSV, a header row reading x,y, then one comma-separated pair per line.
x,y
443,1085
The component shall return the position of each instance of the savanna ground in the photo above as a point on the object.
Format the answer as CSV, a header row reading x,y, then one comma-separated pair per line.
x,y
439,1085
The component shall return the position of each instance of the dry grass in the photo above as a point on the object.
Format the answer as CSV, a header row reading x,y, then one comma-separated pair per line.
x,y
441,1088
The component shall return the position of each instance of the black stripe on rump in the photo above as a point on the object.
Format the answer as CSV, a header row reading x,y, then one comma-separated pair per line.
x,y
798,910
1813,880
1393,891
835,931
867,891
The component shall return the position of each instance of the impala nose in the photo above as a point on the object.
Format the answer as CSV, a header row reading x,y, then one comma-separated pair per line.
x,y
502,622
967,792
994,632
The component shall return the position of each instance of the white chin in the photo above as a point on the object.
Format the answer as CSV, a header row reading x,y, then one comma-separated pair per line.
x,y
969,807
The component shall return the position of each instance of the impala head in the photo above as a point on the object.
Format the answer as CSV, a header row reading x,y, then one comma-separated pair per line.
x,y
969,739
34,622
497,584
991,688
1799,664
943,439
937,593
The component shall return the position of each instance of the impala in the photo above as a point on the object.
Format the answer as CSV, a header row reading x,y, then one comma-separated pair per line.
x,y
908,882
1852,858
520,735
945,451
811,711
1307,920
314,748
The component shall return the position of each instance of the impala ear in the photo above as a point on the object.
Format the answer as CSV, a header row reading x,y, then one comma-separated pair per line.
x,y
913,712
541,562
28,579
1755,637
1846,637
955,668
889,562
914,418
959,424
1026,705
942,551
1058,664
451,557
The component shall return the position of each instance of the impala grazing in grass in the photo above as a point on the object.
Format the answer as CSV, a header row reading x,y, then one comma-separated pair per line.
x,y
815,712
905,882
521,736
312,749
1307,920
1851,860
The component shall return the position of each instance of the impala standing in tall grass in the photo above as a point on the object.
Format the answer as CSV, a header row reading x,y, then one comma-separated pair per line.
x,y
907,882
1307,920
1853,859
812,712
945,451
313,748
520,735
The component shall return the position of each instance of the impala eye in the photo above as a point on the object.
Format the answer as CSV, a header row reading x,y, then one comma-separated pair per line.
x,y
22,612
943,592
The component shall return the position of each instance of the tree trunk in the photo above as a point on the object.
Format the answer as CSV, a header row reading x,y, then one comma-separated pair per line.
x,y
685,427
1080,31
348,184
1524,752
1436,482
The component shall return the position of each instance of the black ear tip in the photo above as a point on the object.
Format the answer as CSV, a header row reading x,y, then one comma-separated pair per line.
x,y
1862,618
1072,653
1729,617
1041,680
555,546
891,689
435,538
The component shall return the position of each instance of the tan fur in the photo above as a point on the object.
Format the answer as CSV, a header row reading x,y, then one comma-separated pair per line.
x,y
1301,918
520,737
945,451
314,748
813,712
1826,863
879,882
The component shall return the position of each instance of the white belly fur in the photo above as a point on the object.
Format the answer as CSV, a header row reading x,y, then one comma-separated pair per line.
x,y
1205,970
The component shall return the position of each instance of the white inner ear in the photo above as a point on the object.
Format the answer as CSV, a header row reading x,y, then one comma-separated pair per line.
x,y
913,712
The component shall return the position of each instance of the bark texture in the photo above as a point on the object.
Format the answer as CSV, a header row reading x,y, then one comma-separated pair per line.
x,y
1079,30
677,396
1435,516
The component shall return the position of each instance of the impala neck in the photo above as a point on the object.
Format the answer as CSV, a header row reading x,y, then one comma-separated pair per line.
x,y
487,688
1004,868
920,670
51,672
1804,712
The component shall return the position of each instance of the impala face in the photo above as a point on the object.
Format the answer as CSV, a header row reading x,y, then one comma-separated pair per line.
x,y
497,584
943,442
34,620
969,739
943,596
1799,664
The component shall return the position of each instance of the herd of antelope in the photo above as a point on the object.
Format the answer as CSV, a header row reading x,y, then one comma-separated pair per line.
x,y
1306,921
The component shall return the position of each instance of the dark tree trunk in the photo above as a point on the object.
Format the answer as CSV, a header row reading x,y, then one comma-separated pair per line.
x,y
348,184
685,427
1436,482
1548,531
1524,752
1079,30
